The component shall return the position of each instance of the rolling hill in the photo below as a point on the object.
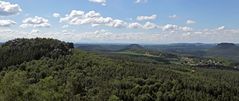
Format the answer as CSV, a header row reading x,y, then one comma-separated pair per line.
x,y
134,48
226,50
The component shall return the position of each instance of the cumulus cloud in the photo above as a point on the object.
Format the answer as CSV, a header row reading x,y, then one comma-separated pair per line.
x,y
149,25
190,22
141,18
214,36
117,23
6,8
7,23
171,27
92,36
141,1
65,26
107,36
35,22
173,16
56,15
93,18
135,25
185,29
206,36
221,28
167,27
102,2
64,31
35,31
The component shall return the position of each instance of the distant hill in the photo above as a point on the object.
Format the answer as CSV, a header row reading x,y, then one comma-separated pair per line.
x,y
227,46
134,48
227,50
99,47
89,47
141,50
196,49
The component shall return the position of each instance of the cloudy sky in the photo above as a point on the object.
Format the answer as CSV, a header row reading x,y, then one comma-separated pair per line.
x,y
121,21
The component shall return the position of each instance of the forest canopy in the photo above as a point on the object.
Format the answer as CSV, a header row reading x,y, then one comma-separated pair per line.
x,y
51,70
17,51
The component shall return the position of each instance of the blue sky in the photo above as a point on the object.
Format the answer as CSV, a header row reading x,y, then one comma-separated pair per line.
x,y
121,21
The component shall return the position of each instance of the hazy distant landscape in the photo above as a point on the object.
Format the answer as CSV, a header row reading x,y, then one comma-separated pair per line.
x,y
119,50
224,50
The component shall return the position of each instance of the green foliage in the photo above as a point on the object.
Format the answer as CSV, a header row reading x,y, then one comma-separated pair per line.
x,y
83,76
20,50
12,86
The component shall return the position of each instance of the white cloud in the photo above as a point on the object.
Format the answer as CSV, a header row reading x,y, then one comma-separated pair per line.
x,y
35,31
56,15
185,29
7,23
93,18
141,1
65,26
102,2
206,36
214,36
173,16
149,25
221,28
190,22
141,18
92,14
35,22
6,8
64,31
171,27
135,25
116,23
93,36
94,25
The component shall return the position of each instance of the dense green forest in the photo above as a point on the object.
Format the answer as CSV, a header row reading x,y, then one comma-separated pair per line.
x,y
51,70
